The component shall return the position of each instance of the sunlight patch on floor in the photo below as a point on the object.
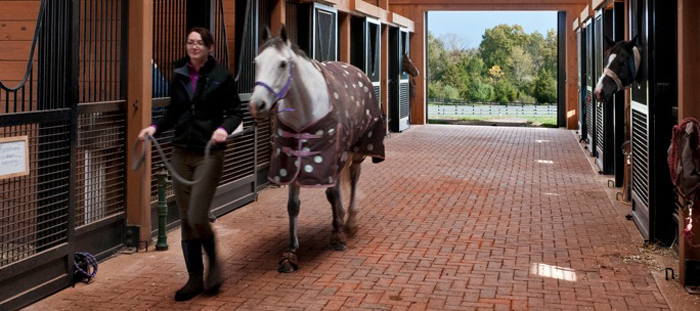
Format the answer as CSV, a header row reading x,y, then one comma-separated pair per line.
x,y
554,272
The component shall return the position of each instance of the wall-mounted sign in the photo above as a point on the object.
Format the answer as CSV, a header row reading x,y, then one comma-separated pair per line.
x,y
14,157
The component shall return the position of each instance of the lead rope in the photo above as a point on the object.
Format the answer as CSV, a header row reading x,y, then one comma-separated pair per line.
x,y
138,160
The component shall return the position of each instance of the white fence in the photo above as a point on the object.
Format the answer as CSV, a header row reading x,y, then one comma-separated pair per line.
x,y
513,110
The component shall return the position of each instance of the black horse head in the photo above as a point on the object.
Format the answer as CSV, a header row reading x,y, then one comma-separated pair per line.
x,y
621,70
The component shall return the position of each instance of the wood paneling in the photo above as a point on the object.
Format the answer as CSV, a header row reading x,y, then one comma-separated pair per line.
x,y
585,14
344,37
688,58
19,10
229,7
17,30
402,21
15,50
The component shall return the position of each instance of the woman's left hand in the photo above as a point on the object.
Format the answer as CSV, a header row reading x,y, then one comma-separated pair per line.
x,y
219,136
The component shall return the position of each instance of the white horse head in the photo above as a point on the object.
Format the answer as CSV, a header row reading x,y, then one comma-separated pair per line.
x,y
286,80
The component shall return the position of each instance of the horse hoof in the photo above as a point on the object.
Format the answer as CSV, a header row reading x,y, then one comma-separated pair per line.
x,y
338,247
286,267
350,231
289,263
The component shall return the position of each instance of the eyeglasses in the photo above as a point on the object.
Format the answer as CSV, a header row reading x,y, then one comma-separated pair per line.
x,y
195,43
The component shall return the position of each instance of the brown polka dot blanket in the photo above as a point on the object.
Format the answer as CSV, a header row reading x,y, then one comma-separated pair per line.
x,y
313,156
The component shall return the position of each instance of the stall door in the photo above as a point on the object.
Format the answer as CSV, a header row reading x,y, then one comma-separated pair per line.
x,y
590,79
582,125
604,111
652,119
399,104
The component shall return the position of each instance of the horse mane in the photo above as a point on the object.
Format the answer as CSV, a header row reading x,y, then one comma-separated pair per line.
x,y
279,44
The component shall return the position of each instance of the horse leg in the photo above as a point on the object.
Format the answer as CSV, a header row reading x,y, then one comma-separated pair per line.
x,y
289,262
338,239
351,224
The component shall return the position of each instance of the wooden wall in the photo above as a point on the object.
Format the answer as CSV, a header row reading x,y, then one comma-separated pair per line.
x,y
416,10
688,58
17,23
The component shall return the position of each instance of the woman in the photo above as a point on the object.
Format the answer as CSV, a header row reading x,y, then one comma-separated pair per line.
x,y
204,106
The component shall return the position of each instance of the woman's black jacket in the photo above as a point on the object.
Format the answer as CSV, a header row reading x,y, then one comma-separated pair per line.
x,y
214,104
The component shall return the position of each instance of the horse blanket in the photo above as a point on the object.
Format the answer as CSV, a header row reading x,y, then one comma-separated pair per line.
x,y
314,156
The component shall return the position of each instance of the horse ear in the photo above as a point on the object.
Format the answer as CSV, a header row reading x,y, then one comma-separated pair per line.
x,y
609,41
266,34
283,33
635,40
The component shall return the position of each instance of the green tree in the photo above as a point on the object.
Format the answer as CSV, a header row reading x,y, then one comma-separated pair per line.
x,y
549,52
497,43
479,91
437,61
504,91
521,69
545,90
536,44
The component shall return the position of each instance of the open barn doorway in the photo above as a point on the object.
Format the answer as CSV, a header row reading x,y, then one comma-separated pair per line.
x,y
496,68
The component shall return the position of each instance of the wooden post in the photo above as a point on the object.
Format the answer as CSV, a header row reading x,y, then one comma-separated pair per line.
x,y
279,16
571,65
688,45
688,106
138,182
344,37
384,85
384,74
418,49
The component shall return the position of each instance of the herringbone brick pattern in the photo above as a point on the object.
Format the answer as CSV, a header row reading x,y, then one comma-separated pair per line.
x,y
457,218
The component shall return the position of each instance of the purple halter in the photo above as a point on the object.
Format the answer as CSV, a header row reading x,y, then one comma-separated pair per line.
x,y
282,93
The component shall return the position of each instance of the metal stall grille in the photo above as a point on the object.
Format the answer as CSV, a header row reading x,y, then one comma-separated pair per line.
x,y
264,126
100,166
291,9
640,165
600,142
101,113
590,101
239,157
35,208
219,33
599,107
169,39
246,44
404,109
582,125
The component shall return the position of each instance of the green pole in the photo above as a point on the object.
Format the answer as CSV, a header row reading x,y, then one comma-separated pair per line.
x,y
162,174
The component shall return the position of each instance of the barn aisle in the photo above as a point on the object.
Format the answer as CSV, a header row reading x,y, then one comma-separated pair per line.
x,y
457,218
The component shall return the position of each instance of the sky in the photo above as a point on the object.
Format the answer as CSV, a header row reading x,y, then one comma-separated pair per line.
x,y
470,25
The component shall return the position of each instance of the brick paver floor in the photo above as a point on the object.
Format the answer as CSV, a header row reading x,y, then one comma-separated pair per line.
x,y
457,218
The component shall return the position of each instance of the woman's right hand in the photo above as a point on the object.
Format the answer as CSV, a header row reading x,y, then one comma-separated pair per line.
x,y
149,130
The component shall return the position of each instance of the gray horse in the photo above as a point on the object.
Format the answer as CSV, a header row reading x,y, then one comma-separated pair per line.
x,y
326,119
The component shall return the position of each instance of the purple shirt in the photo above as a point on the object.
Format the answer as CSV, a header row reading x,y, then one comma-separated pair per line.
x,y
194,77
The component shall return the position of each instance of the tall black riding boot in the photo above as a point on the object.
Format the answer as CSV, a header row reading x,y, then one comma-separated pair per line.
x,y
214,277
192,250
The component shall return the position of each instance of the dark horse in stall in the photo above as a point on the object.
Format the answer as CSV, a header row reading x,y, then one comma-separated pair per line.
x,y
412,70
620,73
327,120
